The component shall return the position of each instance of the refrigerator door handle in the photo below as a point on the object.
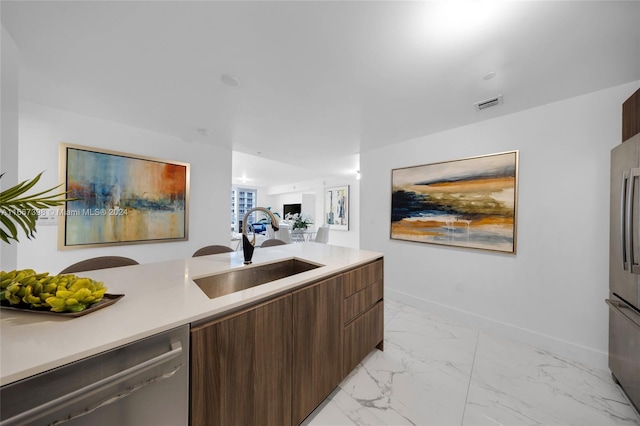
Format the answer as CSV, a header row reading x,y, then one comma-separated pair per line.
x,y
634,268
623,219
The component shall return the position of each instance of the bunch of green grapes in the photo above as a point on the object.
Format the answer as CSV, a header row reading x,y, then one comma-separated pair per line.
x,y
58,293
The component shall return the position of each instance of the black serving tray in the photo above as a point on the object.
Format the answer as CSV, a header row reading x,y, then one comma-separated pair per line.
x,y
107,300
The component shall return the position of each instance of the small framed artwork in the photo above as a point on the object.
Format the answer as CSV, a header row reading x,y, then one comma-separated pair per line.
x,y
336,208
471,202
121,198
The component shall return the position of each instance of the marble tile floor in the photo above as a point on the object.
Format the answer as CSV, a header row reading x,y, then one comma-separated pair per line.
x,y
436,372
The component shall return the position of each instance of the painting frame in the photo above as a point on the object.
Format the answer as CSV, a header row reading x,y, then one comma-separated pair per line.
x,y
469,203
336,208
121,198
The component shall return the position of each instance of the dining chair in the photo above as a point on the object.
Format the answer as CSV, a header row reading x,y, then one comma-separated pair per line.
x,y
213,249
322,236
102,262
284,233
273,242
270,232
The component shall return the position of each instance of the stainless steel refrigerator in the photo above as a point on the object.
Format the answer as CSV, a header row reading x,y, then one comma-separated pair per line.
x,y
624,268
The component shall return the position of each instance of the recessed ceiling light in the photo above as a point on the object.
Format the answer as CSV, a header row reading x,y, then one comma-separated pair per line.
x,y
229,80
489,75
459,20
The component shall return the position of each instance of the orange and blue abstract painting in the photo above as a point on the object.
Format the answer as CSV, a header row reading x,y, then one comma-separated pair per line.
x,y
123,199
466,203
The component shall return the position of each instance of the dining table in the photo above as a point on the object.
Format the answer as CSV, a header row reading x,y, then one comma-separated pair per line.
x,y
302,235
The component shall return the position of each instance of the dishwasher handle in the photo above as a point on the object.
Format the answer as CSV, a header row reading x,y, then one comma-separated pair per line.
x,y
85,392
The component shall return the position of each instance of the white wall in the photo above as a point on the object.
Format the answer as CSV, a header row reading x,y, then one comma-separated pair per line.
x,y
298,191
551,294
9,132
43,128
276,201
309,205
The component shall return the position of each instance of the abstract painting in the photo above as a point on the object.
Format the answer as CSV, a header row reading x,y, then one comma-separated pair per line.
x,y
336,208
469,203
121,198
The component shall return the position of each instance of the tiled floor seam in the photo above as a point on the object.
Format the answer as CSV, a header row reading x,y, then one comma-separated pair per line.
x,y
473,363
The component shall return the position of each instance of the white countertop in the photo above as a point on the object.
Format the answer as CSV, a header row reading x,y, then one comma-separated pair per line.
x,y
158,297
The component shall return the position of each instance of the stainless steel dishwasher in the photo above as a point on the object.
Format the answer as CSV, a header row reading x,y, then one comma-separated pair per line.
x,y
143,383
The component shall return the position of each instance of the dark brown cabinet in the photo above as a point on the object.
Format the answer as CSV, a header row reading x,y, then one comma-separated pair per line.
x,y
363,313
241,367
631,116
362,335
317,345
274,363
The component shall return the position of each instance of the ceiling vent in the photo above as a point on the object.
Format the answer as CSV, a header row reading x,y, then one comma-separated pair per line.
x,y
488,103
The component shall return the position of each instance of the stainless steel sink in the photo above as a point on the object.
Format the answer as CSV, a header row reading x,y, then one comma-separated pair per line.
x,y
251,276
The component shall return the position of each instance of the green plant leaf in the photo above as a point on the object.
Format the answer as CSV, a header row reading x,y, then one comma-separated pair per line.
x,y
13,231
19,189
24,219
20,211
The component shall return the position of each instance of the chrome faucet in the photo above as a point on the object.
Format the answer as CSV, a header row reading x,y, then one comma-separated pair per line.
x,y
249,246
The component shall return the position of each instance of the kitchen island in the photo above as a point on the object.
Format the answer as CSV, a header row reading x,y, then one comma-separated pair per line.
x,y
162,296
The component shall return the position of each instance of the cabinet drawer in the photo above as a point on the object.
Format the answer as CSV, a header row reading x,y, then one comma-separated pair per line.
x,y
362,335
361,277
624,347
247,354
317,345
359,302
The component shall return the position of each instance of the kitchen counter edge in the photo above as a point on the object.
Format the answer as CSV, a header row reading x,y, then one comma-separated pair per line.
x,y
158,297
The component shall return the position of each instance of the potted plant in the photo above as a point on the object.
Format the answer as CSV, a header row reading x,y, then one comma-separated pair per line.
x,y
21,211
27,289
299,222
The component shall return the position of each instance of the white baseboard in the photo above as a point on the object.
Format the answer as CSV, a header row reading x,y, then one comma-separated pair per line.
x,y
561,348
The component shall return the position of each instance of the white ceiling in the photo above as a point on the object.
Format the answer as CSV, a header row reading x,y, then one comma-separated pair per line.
x,y
320,81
